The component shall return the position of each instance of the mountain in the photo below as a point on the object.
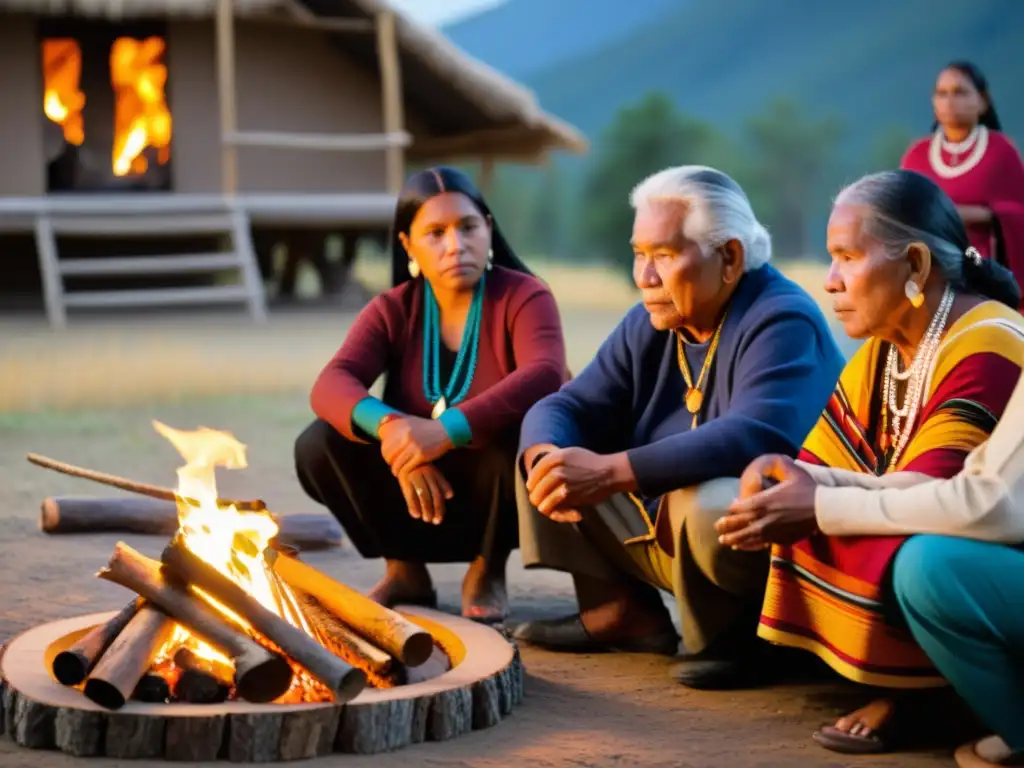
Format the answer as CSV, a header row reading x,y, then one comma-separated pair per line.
x,y
525,37
870,63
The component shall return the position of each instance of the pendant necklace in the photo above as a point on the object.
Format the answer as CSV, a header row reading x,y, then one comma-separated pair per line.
x,y
694,399
464,368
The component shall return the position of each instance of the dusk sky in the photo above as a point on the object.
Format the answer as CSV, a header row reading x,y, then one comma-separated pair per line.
x,y
440,11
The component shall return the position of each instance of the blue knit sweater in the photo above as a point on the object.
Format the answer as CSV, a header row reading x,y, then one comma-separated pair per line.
x,y
775,368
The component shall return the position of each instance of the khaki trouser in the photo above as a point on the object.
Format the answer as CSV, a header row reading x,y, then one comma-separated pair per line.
x,y
715,587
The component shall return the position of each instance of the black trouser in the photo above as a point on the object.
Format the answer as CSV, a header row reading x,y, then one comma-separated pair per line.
x,y
355,483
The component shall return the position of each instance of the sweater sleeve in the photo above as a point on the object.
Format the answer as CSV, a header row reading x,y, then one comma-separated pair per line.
x,y
784,377
984,501
600,394
539,351
345,381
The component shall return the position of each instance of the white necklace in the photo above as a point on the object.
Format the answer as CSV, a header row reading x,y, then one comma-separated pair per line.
x,y
903,418
976,142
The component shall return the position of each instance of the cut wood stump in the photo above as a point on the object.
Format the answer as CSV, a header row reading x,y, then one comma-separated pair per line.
x,y
481,688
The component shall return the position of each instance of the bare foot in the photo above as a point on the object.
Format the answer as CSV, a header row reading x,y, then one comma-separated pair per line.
x,y
484,597
405,583
867,720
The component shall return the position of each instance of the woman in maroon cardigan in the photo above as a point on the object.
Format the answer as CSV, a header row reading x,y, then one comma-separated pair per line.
x,y
468,340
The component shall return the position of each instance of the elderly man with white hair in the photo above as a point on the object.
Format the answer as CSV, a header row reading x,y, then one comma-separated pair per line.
x,y
625,470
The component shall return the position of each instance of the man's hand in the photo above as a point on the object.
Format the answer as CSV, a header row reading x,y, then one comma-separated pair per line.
x,y
565,480
425,490
410,442
775,506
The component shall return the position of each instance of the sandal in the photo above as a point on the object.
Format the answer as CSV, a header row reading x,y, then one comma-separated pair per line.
x,y
860,739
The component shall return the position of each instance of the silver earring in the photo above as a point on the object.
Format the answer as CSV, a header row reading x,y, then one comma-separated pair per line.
x,y
490,258
414,269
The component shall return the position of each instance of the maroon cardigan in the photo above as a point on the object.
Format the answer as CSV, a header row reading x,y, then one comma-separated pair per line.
x,y
521,357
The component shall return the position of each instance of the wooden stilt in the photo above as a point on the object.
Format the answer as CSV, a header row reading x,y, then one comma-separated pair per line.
x,y
391,98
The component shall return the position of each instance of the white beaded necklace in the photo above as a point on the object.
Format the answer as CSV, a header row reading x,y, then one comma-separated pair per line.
x,y
903,418
976,142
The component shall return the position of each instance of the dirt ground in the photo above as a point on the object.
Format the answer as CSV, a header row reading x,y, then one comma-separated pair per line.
x,y
609,710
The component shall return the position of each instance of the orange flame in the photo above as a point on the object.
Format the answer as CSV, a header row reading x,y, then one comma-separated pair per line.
x,y
141,116
62,100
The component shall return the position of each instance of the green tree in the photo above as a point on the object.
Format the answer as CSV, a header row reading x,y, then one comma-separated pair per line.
x,y
792,153
889,148
547,222
644,137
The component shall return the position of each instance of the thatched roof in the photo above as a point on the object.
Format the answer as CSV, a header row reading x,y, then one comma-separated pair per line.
x,y
469,108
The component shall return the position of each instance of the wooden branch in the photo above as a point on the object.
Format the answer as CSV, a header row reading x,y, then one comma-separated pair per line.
x,y
341,678
260,675
144,489
77,514
72,666
389,63
382,670
387,629
226,93
322,142
129,658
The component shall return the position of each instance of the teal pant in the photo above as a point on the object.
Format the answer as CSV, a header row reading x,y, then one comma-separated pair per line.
x,y
964,602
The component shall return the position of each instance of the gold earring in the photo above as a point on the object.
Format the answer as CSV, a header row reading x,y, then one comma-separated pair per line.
x,y
490,258
414,269
914,294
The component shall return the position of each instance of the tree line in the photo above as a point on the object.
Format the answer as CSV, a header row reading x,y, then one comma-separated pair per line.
x,y
787,161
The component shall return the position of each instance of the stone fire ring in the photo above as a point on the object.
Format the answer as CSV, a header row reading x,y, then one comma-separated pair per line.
x,y
484,684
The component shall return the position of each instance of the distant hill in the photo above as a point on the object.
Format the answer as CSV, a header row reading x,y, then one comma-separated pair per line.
x,y
871,63
525,37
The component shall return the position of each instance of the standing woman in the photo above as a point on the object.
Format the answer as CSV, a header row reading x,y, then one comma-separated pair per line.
x,y
974,163
468,340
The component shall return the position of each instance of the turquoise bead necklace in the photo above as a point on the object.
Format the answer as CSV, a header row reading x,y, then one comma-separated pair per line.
x,y
465,362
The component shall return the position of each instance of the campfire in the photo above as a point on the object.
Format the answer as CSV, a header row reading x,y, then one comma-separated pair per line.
x,y
229,613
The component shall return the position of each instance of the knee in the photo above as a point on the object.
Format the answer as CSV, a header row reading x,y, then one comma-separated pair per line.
x,y
924,573
701,507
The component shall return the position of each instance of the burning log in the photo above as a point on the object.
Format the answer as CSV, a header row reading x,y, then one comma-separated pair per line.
x,y
202,680
143,489
260,676
382,670
128,658
72,666
71,514
152,689
384,628
340,677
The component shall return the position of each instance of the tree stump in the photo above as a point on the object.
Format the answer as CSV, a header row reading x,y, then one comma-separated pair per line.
x,y
80,732
37,712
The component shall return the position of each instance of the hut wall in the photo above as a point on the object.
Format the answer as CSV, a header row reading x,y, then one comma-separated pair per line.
x,y
22,168
288,80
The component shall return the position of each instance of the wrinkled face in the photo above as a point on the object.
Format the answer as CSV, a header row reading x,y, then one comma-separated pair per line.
x,y
867,287
449,238
677,280
956,101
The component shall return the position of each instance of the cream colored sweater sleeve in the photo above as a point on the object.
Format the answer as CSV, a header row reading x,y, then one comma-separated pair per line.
x,y
985,501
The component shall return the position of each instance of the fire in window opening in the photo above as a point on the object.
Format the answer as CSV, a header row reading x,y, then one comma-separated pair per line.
x,y
141,117
62,99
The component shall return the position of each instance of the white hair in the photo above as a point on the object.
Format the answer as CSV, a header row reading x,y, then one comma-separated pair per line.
x,y
717,209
